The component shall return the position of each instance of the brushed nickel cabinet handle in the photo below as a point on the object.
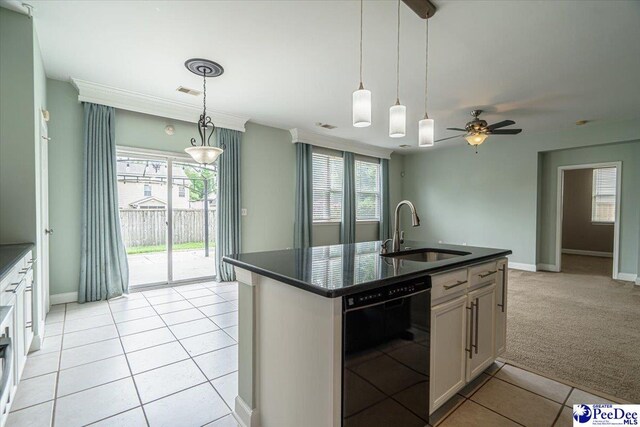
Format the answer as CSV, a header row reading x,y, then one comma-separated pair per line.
x,y
461,282
477,322
470,349
487,274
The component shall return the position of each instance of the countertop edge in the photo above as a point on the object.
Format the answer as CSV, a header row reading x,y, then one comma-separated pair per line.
x,y
26,247
336,293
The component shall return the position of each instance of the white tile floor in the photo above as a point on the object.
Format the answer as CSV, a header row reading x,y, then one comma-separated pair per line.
x,y
165,357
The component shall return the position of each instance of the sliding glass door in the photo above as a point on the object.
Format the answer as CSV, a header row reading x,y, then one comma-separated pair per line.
x,y
193,214
167,216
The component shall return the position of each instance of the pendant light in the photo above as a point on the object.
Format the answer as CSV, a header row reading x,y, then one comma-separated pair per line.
x,y
398,112
204,153
426,125
361,102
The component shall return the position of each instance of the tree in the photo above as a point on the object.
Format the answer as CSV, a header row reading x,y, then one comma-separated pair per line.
x,y
197,177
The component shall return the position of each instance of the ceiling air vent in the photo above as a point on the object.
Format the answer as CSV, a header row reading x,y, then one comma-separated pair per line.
x,y
325,125
188,91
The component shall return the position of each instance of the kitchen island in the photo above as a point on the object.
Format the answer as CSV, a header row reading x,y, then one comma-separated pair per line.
x,y
344,335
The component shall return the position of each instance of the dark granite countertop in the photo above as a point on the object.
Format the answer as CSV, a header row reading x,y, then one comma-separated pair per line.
x,y
10,254
338,270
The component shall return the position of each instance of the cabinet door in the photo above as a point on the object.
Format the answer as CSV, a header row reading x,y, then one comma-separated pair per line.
x,y
482,303
28,316
447,362
19,338
501,308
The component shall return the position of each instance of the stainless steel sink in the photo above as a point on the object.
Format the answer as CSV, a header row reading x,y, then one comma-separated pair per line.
x,y
425,255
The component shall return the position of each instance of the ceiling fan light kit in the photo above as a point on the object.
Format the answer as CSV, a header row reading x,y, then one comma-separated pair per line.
x,y
477,130
204,153
361,100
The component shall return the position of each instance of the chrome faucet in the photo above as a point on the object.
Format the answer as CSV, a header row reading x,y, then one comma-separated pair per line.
x,y
398,236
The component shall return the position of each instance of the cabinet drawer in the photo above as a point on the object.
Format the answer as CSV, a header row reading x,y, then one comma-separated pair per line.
x,y
448,284
482,274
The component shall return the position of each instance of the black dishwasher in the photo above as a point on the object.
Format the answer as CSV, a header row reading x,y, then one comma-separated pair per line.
x,y
385,360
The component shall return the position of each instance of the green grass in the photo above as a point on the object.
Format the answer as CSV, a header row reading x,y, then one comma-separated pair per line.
x,y
161,248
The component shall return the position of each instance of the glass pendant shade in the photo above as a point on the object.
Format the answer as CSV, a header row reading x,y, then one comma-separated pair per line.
x,y
425,133
397,121
204,155
362,108
476,138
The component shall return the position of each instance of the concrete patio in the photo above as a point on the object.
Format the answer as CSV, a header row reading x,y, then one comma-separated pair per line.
x,y
152,267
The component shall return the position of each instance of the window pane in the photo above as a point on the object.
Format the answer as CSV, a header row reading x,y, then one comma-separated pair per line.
x,y
603,207
327,187
367,191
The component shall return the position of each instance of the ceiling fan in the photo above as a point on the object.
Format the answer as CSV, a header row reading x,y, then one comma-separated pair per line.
x,y
477,130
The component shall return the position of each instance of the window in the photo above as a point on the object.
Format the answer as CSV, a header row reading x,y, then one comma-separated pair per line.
x,y
181,191
327,187
603,201
367,191
147,190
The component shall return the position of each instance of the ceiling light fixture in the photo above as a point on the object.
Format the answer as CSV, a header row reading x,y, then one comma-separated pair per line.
x,y
476,139
398,112
204,153
426,125
361,102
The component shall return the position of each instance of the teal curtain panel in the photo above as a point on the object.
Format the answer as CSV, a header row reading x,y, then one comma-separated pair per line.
x,y
228,227
348,224
385,221
104,272
303,218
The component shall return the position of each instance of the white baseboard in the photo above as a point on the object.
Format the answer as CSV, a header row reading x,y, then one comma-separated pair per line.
x,y
63,298
587,253
244,416
522,266
548,267
628,277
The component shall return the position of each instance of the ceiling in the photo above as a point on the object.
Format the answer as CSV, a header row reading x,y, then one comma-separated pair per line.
x,y
294,63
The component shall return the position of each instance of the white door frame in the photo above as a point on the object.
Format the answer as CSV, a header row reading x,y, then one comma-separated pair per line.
x,y
559,210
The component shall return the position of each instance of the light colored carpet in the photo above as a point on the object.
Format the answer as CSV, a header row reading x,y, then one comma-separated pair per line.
x,y
579,325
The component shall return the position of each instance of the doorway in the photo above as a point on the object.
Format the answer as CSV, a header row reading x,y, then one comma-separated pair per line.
x,y
167,207
588,219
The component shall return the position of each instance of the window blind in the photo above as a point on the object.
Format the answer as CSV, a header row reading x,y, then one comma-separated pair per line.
x,y
367,191
327,187
603,201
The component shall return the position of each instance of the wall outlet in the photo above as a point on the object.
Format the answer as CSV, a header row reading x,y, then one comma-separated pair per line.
x,y
243,212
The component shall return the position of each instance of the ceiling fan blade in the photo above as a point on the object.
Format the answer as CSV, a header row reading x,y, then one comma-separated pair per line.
x,y
461,130
451,137
506,132
501,124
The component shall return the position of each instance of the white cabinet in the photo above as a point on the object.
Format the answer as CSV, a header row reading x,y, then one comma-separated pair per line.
x,y
448,357
468,326
501,307
482,331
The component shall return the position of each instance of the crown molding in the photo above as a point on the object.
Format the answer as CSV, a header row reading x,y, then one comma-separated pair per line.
x,y
155,106
340,144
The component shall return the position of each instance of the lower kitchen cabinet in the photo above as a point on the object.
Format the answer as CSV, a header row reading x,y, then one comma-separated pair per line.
x,y
482,330
448,356
501,307
468,327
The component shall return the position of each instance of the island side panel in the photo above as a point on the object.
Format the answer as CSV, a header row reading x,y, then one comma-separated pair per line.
x,y
298,356
245,403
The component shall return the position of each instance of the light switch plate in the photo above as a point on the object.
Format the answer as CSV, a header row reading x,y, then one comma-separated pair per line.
x,y
243,212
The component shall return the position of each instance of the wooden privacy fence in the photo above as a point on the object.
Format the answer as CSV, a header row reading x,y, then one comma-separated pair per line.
x,y
148,227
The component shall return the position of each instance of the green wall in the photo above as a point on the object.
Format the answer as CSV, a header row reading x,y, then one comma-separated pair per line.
x,y
490,198
267,163
23,95
17,148
629,155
